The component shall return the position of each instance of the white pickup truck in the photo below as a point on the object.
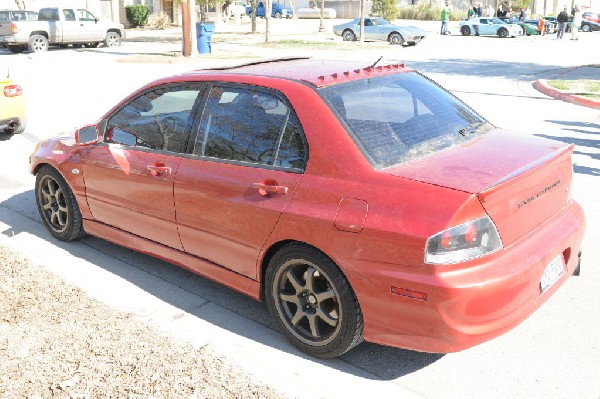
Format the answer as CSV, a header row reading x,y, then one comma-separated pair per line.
x,y
60,26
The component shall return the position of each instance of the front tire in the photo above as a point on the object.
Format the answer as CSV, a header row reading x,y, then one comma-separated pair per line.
x,y
585,28
112,39
57,205
348,36
502,32
312,302
38,43
395,38
20,128
465,30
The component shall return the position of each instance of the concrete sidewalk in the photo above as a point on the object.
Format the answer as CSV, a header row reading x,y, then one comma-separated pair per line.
x,y
586,72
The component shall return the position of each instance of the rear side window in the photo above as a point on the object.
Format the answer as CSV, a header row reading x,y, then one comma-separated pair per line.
x,y
400,117
251,126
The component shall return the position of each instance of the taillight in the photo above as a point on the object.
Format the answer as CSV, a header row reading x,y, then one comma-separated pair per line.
x,y
12,91
464,242
13,28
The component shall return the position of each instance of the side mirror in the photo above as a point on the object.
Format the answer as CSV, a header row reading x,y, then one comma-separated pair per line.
x,y
87,135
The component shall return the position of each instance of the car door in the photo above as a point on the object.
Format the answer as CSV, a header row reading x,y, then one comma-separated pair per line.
x,y
248,158
71,31
370,29
91,30
129,176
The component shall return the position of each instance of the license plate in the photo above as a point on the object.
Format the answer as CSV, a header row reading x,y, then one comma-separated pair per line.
x,y
552,273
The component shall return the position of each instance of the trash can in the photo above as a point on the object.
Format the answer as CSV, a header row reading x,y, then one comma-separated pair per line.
x,y
204,32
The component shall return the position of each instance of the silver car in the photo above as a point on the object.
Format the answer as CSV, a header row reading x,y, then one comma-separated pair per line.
x,y
377,28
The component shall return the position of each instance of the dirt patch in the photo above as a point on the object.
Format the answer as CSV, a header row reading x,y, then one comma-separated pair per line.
x,y
56,342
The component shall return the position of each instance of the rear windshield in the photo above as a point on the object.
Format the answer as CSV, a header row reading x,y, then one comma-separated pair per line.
x,y
400,117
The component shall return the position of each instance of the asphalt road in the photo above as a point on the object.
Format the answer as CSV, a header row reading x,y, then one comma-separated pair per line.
x,y
553,354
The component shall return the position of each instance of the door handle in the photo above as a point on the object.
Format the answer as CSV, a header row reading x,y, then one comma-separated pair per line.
x,y
268,187
158,169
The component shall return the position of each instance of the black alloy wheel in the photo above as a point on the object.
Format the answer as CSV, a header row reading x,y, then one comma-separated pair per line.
x,y
312,302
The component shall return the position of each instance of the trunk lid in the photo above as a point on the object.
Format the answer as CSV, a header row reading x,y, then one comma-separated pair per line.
x,y
520,180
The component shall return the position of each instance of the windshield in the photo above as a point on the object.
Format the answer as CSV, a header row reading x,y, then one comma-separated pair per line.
x,y
400,117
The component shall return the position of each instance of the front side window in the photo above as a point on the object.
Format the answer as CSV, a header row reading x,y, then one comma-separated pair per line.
x,y
157,120
85,15
400,117
252,126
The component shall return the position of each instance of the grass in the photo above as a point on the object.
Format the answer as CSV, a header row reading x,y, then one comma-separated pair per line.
x,y
582,87
292,43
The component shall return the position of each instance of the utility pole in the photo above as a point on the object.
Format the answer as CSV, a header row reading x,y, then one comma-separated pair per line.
x,y
186,26
362,22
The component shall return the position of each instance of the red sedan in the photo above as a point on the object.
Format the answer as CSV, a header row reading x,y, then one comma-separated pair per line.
x,y
358,202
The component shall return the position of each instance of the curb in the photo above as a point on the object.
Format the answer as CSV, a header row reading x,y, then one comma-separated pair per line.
x,y
542,86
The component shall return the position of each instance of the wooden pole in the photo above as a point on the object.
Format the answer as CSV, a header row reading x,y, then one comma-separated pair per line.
x,y
186,26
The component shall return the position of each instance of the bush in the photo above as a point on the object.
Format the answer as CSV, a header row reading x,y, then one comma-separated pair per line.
x,y
159,20
425,12
137,15
385,8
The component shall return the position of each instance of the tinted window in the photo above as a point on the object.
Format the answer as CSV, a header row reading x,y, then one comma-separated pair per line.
x,y
157,120
250,126
404,116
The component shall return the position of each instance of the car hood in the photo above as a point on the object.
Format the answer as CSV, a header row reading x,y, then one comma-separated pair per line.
x,y
480,163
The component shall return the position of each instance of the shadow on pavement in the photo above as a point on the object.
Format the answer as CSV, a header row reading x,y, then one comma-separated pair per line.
x,y
382,363
581,143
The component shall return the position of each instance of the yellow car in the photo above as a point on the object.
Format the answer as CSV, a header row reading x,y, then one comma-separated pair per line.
x,y
12,107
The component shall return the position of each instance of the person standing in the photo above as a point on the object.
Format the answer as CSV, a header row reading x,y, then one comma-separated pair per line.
x,y
445,19
562,19
576,23
541,26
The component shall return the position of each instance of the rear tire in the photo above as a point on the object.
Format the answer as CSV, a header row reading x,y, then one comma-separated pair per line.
x,y
16,49
277,15
312,302
38,43
585,28
465,30
348,36
20,128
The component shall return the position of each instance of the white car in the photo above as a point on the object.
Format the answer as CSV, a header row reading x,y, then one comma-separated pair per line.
x,y
489,26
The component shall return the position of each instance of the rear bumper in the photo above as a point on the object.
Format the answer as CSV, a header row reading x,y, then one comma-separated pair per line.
x,y
470,303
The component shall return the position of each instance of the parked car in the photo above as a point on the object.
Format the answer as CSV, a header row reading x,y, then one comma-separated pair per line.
x,y
550,26
591,16
413,222
278,10
12,106
589,26
528,27
60,26
489,26
377,28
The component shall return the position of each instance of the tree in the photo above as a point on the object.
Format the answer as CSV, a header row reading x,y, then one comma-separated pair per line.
x,y
20,4
385,8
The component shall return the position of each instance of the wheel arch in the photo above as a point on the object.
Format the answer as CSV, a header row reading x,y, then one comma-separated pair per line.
x,y
39,32
274,248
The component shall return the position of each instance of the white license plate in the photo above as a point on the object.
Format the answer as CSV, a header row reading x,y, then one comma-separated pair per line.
x,y
552,273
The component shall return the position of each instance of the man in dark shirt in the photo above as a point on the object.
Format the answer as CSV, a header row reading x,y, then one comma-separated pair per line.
x,y
562,19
